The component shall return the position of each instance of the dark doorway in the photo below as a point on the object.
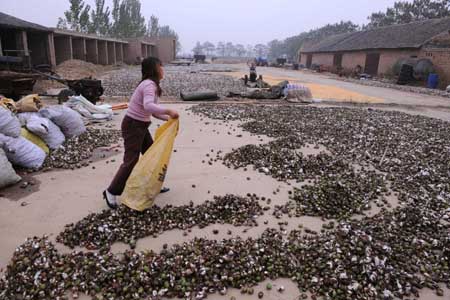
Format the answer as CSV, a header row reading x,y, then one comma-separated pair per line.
x,y
9,43
337,60
38,46
309,61
372,62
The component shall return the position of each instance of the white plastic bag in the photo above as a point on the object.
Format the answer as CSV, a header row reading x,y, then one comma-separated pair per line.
x,y
43,128
7,174
34,123
24,117
298,92
68,120
21,152
55,138
9,124
88,110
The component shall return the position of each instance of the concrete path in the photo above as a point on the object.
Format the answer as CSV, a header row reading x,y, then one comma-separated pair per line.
x,y
387,95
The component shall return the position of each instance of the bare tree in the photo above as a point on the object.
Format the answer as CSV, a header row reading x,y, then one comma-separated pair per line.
x,y
209,48
198,49
240,50
229,49
261,50
250,51
221,49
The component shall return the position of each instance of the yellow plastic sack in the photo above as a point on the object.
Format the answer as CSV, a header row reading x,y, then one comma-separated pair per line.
x,y
147,178
30,103
35,140
8,104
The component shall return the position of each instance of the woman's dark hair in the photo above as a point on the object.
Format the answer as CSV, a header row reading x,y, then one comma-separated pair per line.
x,y
150,71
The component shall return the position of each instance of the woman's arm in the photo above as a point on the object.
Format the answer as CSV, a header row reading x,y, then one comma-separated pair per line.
x,y
149,101
150,106
161,117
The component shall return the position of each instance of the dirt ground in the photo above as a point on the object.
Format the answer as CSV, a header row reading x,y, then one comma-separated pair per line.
x,y
72,70
63,197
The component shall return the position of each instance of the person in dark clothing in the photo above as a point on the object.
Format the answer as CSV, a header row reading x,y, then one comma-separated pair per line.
x,y
253,74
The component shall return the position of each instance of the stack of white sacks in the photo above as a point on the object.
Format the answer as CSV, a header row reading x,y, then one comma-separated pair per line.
x,y
52,124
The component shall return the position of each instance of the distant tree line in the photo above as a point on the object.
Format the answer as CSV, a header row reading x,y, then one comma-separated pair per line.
x,y
125,20
402,12
228,49
406,12
290,46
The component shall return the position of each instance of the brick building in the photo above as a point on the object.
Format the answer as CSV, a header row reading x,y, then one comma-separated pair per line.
x,y
25,42
377,50
38,45
88,47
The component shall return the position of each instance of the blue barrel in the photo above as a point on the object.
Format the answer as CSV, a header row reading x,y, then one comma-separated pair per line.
x,y
433,81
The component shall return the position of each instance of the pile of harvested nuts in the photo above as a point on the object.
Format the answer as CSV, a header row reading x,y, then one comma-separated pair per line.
x,y
336,189
394,254
409,152
337,196
100,230
76,151
177,79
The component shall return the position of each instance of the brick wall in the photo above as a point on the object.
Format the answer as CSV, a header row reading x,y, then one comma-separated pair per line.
x,y
439,56
302,59
79,48
102,47
441,60
389,57
165,48
325,59
63,48
351,60
133,51
92,51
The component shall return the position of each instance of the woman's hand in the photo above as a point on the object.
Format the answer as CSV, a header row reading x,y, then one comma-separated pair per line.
x,y
173,114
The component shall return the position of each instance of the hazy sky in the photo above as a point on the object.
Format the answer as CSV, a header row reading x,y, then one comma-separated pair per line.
x,y
238,21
